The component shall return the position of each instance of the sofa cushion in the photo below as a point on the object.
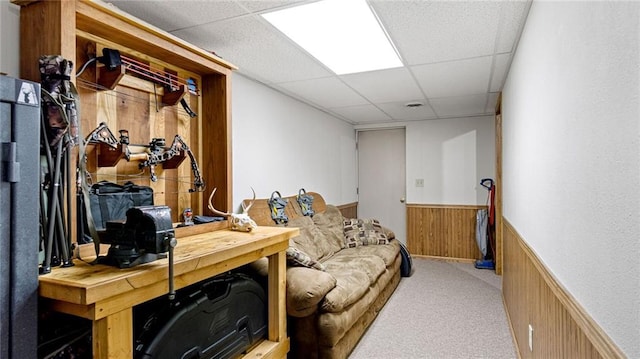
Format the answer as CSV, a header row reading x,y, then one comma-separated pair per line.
x,y
299,258
305,289
363,232
354,275
329,224
309,234
387,252
371,264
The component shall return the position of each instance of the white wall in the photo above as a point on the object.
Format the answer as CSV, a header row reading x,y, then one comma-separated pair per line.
x,y
9,38
282,144
452,156
571,171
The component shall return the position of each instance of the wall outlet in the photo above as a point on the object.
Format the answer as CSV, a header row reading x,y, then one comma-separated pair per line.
x,y
419,182
530,338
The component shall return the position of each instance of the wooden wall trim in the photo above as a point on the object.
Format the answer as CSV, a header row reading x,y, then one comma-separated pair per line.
x,y
349,210
446,231
450,206
445,259
498,191
578,322
511,329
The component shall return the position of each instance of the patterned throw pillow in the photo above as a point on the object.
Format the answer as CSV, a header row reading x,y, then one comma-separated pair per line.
x,y
363,232
299,258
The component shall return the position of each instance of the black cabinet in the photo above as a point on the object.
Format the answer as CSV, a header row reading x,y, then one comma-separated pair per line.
x,y
19,212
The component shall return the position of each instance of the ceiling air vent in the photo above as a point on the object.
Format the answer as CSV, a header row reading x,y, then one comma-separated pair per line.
x,y
414,104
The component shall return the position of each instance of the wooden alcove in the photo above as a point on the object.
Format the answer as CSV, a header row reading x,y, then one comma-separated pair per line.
x,y
79,30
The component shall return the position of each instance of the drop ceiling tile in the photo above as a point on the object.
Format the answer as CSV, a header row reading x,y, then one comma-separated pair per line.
x,y
432,31
384,86
173,15
513,15
327,92
455,78
268,5
256,48
460,106
398,111
362,114
500,69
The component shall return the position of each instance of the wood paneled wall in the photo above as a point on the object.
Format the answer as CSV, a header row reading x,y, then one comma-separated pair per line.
x,y
349,210
532,296
442,231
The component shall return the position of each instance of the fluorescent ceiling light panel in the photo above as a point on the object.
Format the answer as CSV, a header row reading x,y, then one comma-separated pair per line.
x,y
345,35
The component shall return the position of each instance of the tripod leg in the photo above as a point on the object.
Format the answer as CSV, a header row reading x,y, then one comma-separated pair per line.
x,y
63,240
53,202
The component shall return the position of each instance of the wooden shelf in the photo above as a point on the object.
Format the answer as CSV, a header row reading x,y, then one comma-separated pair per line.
x,y
172,98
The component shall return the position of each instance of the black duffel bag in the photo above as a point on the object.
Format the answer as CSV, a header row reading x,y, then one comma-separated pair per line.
x,y
110,201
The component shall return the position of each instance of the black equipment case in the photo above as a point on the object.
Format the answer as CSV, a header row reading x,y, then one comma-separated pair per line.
x,y
406,267
219,318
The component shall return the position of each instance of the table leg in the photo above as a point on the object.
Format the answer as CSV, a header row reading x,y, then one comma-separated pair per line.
x,y
277,297
112,336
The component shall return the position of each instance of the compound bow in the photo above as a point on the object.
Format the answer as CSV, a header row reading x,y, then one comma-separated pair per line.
x,y
157,152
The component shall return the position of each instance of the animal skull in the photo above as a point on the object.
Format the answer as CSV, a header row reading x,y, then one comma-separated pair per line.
x,y
239,221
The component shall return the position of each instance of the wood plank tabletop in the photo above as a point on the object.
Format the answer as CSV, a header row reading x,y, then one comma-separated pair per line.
x,y
85,284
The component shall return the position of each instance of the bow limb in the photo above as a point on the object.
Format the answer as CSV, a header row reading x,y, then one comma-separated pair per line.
x,y
198,182
177,146
102,134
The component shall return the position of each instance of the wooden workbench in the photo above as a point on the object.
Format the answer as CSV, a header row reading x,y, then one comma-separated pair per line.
x,y
106,295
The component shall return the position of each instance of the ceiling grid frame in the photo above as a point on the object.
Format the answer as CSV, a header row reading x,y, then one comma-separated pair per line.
x,y
240,35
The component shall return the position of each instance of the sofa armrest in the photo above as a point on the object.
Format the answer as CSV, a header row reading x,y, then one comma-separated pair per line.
x,y
306,287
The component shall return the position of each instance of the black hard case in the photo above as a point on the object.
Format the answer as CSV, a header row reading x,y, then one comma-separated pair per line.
x,y
220,318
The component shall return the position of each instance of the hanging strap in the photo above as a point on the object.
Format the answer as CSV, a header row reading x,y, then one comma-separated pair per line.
x,y
306,203
277,205
82,187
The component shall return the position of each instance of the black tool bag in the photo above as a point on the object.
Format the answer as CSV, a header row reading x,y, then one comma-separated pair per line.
x,y
406,266
110,202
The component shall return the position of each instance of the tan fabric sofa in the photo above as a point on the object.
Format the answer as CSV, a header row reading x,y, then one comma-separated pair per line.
x,y
329,310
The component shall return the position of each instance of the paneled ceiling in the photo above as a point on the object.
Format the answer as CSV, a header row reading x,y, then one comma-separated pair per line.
x,y
455,53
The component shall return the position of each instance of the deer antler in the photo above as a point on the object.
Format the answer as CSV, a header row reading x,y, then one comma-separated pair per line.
x,y
226,214
246,209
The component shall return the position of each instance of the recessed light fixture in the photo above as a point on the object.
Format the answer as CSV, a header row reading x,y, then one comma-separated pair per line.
x,y
345,35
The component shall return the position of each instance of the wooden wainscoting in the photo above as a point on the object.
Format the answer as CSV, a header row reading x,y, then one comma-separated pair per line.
x,y
561,326
349,210
442,231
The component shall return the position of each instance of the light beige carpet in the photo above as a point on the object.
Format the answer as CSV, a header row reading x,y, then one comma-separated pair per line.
x,y
445,310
